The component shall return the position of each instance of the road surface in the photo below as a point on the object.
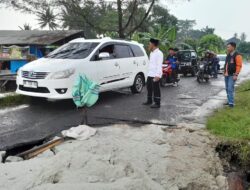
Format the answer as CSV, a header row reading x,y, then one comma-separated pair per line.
x,y
42,119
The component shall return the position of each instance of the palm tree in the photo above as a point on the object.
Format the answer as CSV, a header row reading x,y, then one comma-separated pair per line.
x,y
47,18
25,26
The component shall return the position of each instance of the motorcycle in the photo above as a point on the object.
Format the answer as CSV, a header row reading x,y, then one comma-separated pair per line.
x,y
167,78
204,72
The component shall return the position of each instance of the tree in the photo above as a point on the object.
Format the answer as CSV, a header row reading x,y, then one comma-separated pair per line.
x,y
161,16
243,37
192,43
208,30
186,30
25,26
212,42
99,16
244,48
47,18
184,27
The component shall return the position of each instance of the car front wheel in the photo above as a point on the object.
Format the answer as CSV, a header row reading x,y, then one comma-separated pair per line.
x,y
138,84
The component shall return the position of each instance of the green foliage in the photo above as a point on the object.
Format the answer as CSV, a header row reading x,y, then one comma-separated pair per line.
x,y
47,18
193,43
97,17
13,100
233,127
184,28
212,42
161,16
25,26
167,37
233,123
244,48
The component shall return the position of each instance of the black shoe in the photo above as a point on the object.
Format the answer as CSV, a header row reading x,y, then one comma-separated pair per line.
x,y
155,106
226,104
147,103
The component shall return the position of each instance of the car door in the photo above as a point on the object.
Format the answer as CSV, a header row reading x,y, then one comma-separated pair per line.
x,y
127,64
107,69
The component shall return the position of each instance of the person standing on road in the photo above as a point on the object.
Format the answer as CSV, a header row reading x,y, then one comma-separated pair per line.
x,y
154,74
232,69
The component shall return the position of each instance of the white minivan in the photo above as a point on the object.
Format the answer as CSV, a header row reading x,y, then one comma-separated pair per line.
x,y
113,64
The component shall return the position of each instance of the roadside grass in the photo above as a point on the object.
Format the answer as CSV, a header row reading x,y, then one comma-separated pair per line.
x,y
233,125
13,100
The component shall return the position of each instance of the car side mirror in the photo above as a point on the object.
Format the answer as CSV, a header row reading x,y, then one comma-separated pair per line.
x,y
104,55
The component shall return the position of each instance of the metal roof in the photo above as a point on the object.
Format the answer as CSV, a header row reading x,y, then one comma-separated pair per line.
x,y
35,37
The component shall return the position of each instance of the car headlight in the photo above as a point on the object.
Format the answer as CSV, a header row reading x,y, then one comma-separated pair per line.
x,y
62,74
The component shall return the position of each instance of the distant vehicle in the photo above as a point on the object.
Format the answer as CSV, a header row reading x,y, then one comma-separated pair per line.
x,y
222,58
113,64
188,62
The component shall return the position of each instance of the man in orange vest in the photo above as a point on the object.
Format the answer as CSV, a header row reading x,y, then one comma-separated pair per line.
x,y
232,70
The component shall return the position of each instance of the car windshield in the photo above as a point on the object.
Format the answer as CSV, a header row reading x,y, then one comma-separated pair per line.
x,y
184,56
73,51
222,58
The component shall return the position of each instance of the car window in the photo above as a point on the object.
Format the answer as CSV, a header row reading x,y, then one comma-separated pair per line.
x,y
107,49
123,51
73,51
193,54
222,58
137,51
184,55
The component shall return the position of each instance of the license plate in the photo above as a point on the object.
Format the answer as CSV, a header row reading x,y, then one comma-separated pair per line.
x,y
30,84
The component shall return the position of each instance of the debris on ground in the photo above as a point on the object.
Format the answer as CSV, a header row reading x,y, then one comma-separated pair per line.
x,y
82,132
13,159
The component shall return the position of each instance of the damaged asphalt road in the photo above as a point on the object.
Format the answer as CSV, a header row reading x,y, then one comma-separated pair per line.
x,y
42,119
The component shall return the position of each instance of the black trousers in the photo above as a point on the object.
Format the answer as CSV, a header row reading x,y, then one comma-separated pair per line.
x,y
174,75
154,91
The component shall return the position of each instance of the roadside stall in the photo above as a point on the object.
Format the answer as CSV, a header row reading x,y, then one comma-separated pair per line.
x,y
17,48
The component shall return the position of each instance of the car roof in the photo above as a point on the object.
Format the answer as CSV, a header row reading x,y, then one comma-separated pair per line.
x,y
103,40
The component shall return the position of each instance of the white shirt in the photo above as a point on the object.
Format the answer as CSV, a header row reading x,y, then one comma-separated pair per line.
x,y
155,63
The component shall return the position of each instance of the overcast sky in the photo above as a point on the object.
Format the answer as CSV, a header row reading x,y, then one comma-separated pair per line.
x,y
226,16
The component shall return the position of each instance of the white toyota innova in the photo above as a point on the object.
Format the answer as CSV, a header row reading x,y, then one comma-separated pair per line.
x,y
113,64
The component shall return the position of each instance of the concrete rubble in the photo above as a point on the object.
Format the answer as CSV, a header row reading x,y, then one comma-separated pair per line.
x,y
13,159
122,157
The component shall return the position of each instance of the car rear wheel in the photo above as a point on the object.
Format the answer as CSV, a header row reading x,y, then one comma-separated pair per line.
x,y
138,84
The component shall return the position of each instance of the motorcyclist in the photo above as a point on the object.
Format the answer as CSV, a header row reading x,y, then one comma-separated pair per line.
x,y
215,63
172,59
208,61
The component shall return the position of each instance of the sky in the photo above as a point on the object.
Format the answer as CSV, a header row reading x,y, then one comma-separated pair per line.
x,y
226,16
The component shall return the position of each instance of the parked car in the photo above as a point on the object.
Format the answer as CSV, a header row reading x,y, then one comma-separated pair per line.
x,y
188,62
113,64
222,58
